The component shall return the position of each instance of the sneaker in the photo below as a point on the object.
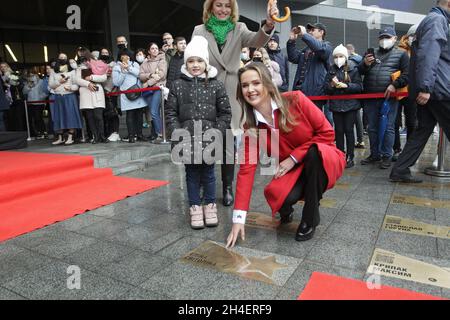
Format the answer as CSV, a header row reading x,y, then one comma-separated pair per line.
x,y
158,140
114,137
210,213
403,132
197,222
406,178
385,163
58,142
370,160
360,145
395,156
145,125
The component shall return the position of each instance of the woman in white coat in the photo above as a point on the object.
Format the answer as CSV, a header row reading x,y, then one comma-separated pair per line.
x,y
125,76
92,96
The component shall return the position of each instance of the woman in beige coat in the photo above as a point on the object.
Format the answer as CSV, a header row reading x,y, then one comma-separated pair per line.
x,y
153,73
227,37
92,96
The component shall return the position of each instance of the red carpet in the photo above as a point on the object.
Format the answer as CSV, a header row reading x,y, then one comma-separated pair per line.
x,y
37,190
328,287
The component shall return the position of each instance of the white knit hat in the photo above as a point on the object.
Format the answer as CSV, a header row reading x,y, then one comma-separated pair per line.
x,y
340,49
198,47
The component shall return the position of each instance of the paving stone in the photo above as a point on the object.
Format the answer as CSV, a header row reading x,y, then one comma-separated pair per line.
x,y
342,253
97,254
287,294
302,275
180,248
142,294
134,268
403,243
360,218
6,295
104,229
162,242
136,236
352,232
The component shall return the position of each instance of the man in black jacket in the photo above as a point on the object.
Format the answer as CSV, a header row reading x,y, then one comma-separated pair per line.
x,y
378,69
177,61
275,54
429,86
4,105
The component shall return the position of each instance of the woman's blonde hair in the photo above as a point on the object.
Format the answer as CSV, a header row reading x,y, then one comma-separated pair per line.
x,y
286,121
207,10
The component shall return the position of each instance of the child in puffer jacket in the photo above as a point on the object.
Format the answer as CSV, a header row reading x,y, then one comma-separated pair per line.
x,y
198,101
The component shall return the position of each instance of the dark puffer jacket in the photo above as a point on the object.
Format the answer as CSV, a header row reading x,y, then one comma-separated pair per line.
x,y
430,60
174,71
378,75
193,99
4,102
282,60
355,86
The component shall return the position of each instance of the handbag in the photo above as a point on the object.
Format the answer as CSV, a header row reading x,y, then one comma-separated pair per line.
x,y
134,95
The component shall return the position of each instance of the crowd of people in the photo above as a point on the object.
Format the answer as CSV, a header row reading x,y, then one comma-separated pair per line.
x,y
77,96
236,80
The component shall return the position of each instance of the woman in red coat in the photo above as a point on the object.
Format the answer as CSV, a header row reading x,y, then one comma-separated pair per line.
x,y
309,164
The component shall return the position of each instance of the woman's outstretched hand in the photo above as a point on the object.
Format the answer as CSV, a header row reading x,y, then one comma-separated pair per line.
x,y
232,238
284,168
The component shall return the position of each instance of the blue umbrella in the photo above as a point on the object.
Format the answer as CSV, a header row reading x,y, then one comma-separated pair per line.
x,y
383,122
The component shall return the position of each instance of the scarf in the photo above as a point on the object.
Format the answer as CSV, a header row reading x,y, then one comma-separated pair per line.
x,y
220,28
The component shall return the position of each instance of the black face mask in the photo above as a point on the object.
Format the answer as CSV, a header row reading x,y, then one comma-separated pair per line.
x,y
62,62
82,59
257,59
121,46
104,58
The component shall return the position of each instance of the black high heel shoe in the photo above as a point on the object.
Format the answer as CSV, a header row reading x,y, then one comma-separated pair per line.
x,y
228,197
304,232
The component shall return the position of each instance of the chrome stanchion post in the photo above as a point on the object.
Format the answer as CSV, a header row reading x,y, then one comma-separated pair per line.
x,y
27,119
440,170
163,117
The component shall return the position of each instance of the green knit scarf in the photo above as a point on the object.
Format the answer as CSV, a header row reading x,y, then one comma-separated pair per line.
x,y
220,28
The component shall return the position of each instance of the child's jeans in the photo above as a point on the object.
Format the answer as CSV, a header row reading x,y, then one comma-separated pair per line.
x,y
197,176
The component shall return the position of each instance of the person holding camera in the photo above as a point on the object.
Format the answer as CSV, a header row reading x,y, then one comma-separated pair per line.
x,y
378,67
92,95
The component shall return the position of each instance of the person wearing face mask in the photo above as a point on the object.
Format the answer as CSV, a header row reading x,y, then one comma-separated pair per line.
x,y
122,45
275,54
34,91
260,55
406,106
65,110
429,87
111,112
343,78
245,56
378,70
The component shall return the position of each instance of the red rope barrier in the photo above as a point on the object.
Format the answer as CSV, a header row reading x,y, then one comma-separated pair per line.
x,y
313,98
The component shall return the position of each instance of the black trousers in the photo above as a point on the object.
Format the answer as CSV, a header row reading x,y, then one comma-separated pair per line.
x,y
134,122
430,114
409,107
344,123
227,169
36,119
95,121
111,116
311,186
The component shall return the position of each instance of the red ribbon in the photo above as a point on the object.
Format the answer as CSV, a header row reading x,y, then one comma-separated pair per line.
x,y
313,98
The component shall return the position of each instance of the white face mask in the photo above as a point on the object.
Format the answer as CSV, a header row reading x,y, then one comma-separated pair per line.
x,y
140,59
244,56
387,44
340,62
411,40
74,66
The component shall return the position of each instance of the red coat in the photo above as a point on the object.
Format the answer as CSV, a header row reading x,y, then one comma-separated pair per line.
x,y
312,128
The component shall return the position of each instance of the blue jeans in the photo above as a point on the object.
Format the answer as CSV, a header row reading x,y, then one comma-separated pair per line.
x,y
2,121
373,108
197,176
153,101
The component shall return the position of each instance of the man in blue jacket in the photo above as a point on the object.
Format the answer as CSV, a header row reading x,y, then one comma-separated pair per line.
x,y
275,54
429,85
313,61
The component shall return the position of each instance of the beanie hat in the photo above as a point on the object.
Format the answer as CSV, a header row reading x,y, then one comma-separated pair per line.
x,y
275,38
198,47
340,49
412,30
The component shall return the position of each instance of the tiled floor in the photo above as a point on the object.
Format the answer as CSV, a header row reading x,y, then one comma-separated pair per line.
x,y
132,249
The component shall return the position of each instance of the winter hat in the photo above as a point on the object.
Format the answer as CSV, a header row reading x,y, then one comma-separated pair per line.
x,y
275,38
412,30
198,47
340,49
